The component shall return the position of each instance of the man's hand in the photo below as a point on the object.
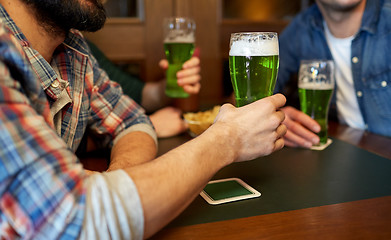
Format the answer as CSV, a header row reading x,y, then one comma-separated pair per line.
x,y
153,95
301,128
189,77
257,128
168,122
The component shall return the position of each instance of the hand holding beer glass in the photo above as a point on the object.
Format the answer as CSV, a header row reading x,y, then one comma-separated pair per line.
x,y
253,64
316,84
179,37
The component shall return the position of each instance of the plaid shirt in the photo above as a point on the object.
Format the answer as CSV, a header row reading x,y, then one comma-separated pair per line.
x,y
42,193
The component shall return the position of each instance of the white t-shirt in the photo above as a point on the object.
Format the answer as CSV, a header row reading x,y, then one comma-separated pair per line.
x,y
348,110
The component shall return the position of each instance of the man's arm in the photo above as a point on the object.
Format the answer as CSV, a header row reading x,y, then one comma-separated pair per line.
x,y
153,96
239,134
132,149
131,85
167,120
189,78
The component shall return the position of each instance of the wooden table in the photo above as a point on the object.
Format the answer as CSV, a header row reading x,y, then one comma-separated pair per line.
x,y
348,202
365,217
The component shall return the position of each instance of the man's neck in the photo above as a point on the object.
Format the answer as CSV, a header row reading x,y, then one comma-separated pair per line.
x,y
39,38
343,24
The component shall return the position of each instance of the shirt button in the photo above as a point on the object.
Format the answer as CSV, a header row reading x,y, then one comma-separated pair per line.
x,y
355,59
384,84
55,84
359,94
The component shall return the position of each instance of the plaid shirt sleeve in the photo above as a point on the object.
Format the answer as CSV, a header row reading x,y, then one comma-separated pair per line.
x,y
42,194
113,113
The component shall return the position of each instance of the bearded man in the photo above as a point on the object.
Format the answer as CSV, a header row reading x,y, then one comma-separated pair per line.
x,y
52,92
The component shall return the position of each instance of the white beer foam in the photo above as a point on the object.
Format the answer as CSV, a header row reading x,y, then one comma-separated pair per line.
x,y
180,39
315,86
260,48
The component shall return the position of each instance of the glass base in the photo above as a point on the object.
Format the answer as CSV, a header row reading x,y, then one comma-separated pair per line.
x,y
322,146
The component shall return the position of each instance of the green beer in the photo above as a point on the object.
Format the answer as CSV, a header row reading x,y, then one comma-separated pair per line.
x,y
178,40
316,84
253,77
177,53
253,65
315,103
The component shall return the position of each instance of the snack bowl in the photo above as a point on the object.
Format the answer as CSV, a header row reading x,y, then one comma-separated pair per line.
x,y
197,127
200,121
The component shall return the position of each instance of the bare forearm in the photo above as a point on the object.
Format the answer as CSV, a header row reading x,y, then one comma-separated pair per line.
x,y
183,171
132,149
238,134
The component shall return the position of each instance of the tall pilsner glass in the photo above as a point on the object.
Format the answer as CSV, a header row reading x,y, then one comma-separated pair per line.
x,y
179,37
316,84
253,64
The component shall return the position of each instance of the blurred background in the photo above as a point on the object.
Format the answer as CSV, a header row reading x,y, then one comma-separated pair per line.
x,y
132,36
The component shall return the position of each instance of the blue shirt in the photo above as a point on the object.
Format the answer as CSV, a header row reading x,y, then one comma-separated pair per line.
x,y
304,38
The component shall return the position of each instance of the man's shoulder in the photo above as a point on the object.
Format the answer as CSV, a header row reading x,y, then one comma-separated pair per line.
x,y
303,21
310,13
9,41
384,21
387,8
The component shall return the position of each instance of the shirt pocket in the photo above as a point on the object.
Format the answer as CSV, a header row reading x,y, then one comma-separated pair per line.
x,y
378,86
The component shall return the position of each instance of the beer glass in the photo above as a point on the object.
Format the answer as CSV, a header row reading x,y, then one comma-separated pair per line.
x,y
178,46
316,84
253,64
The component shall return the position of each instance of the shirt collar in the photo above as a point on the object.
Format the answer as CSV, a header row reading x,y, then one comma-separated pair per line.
x,y
371,15
34,57
316,18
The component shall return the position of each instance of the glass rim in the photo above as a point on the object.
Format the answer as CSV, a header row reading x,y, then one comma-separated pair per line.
x,y
254,36
179,19
325,69
254,43
171,23
253,33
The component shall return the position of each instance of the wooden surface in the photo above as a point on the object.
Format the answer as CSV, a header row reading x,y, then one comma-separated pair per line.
x,y
371,142
364,219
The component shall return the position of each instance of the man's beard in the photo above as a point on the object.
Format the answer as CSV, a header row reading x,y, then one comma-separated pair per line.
x,y
62,15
